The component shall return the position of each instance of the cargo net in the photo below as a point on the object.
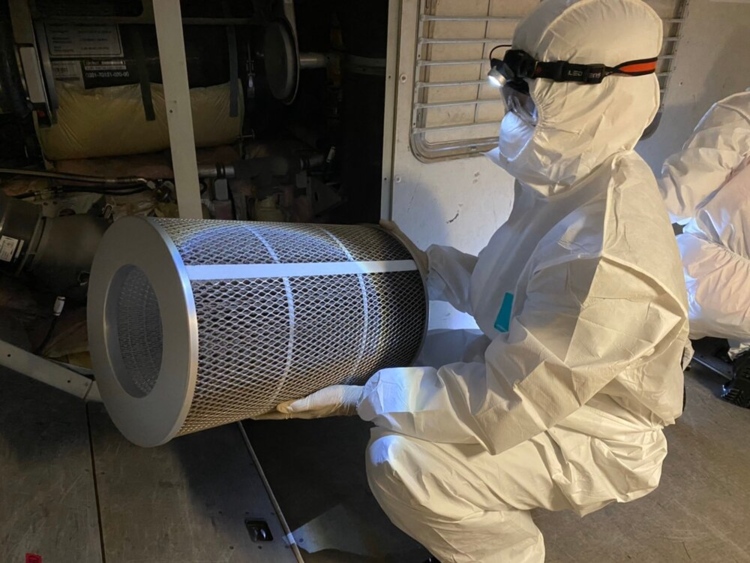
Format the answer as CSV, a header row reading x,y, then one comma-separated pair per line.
x,y
232,242
252,358
139,333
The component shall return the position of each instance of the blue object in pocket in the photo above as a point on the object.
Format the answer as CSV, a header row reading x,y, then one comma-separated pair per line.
x,y
502,323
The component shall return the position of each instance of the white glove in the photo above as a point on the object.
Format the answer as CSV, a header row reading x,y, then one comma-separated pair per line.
x,y
420,256
337,400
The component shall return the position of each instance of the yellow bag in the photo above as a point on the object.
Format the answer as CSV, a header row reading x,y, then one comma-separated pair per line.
x,y
111,121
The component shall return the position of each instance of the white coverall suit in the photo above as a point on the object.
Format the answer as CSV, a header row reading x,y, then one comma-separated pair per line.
x,y
706,187
582,296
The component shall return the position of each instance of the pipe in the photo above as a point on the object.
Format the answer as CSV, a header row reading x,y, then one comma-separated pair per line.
x,y
73,177
312,60
279,165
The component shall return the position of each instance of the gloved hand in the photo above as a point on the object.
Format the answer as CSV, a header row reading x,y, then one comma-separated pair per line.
x,y
420,256
336,400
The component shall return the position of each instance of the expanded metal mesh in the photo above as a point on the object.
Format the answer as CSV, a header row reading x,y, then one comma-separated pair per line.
x,y
233,242
216,242
262,341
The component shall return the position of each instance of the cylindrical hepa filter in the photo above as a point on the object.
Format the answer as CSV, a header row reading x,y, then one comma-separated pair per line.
x,y
196,323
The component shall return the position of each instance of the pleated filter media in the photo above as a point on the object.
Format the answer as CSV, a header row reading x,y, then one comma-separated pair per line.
x,y
196,323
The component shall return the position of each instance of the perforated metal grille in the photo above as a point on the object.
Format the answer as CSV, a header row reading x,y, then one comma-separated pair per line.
x,y
139,333
262,342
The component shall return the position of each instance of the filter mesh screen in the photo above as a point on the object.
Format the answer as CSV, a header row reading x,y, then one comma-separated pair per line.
x,y
251,359
139,332
266,336
232,242
216,242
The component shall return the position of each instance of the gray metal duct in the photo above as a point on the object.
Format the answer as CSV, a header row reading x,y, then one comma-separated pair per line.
x,y
195,323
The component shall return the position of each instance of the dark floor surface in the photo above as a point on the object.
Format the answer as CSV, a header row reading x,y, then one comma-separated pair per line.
x,y
71,488
701,511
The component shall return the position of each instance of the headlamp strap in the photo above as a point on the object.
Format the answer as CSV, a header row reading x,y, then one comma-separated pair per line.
x,y
563,71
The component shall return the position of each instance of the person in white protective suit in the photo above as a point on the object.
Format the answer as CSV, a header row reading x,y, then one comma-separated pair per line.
x,y
581,294
706,187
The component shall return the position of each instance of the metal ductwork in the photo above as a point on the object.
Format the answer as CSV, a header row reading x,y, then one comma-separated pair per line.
x,y
196,323
56,252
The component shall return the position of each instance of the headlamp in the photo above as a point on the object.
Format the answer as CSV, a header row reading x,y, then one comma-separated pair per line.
x,y
517,65
496,78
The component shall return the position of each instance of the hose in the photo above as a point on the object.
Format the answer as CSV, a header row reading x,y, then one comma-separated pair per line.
x,y
57,310
74,177
124,189
48,336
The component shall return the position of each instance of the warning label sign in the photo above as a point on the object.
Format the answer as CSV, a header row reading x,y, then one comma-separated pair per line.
x,y
8,246
88,41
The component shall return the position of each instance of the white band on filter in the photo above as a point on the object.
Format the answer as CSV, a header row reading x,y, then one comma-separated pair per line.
x,y
260,271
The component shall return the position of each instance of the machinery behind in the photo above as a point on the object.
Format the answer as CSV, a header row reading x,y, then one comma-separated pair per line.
x,y
287,104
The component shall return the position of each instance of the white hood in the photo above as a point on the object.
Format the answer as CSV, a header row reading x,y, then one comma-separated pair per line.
x,y
580,126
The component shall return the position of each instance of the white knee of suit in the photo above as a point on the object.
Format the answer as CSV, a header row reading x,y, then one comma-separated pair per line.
x,y
429,498
387,456
408,480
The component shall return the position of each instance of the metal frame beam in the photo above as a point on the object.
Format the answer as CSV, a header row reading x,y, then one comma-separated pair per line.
x,y
169,35
391,86
48,372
